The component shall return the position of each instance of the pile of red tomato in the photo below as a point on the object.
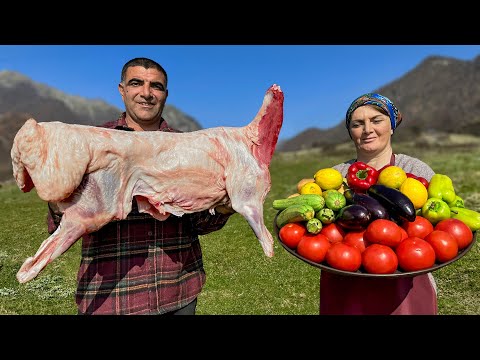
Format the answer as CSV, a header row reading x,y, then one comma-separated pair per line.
x,y
383,247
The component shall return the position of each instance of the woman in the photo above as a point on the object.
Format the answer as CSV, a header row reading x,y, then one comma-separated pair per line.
x,y
371,121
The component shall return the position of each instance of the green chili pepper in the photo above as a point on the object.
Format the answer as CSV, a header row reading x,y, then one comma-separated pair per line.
x,y
441,187
435,210
470,217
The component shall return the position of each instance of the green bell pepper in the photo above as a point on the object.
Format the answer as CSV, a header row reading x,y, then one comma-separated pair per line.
x,y
458,202
441,187
470,217
435,210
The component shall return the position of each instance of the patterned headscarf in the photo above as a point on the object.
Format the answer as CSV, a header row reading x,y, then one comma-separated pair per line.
x,y
378,100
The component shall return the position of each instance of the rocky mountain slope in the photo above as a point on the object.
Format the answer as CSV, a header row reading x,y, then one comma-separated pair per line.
x,y
439,96
22,98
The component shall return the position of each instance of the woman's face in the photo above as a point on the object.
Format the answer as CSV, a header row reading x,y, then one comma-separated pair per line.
x,y
370,129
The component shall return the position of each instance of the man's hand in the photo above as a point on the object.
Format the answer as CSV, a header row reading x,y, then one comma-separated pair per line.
x,y
224,209
55,213
54,217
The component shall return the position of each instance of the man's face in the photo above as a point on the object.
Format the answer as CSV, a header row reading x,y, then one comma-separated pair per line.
x,y
144,94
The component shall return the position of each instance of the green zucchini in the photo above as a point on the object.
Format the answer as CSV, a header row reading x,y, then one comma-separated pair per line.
x,y
314,226
314,200
294,213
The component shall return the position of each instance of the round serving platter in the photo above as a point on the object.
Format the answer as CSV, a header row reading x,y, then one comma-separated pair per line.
x,y
397,274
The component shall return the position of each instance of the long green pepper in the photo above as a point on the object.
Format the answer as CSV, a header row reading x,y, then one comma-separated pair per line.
x,y
470,217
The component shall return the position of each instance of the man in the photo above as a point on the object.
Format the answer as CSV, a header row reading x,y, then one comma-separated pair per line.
x,y
140,265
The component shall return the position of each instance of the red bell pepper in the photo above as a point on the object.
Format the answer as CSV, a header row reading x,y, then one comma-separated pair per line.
x,y
361,176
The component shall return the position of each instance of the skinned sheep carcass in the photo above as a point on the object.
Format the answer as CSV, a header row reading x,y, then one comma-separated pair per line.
x,y
91,174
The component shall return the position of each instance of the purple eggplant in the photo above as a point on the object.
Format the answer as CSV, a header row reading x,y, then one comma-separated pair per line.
x,y
399,206
353,217
376,209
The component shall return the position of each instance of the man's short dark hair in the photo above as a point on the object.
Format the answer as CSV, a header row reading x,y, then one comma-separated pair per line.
x,y
143,62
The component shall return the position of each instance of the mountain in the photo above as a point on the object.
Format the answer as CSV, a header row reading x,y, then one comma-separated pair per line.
x,y
439,96
22,98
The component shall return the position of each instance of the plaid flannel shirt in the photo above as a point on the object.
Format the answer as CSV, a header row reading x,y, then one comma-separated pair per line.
x,y
140,265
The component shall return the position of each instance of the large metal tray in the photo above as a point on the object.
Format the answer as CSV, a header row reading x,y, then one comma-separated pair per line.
x,y
360,273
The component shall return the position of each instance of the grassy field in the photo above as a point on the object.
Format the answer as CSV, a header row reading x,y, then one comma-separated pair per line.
x,y
240,279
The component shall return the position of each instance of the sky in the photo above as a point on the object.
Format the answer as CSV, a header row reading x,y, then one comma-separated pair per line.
x,y
224,85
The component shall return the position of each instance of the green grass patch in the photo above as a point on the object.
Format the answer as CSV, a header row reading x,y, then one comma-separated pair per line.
x,y
240,279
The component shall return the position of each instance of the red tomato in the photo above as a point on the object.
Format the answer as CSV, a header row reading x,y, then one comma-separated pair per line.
x,y
444,244
334,232
379,259
344,257
458,229
420,227
313,247
291,234
404,233
383,231
355,239
414,254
